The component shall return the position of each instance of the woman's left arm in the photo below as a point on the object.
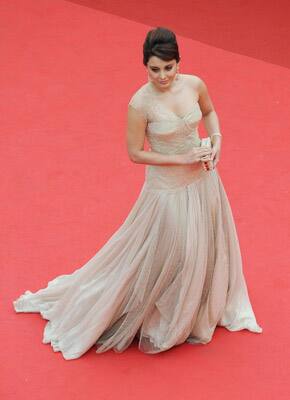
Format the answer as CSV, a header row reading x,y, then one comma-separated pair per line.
x,y
211,121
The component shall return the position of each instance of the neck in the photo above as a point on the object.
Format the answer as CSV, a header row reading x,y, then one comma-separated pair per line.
x,y
169,89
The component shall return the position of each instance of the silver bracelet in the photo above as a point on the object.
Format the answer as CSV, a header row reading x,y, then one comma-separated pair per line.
x,y
216,134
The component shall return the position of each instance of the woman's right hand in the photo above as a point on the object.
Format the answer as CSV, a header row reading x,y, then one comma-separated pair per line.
x,y
196,154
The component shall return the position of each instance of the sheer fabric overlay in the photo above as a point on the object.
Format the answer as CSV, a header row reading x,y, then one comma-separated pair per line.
x,y
170,273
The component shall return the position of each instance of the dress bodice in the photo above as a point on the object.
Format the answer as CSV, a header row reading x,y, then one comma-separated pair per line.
x,y
176,134
166,131
169,133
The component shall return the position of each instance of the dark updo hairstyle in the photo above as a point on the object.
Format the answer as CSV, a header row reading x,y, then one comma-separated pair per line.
x,y
160,42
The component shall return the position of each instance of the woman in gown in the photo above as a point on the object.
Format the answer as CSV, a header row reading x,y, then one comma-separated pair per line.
x,y
173,270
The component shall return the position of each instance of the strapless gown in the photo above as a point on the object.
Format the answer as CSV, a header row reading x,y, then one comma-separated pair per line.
x,y
169,274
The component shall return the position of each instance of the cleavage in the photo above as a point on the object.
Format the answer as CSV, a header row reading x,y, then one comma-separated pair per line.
x,y
180,107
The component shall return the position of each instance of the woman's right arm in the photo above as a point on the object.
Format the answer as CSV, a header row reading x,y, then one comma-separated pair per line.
x,y
136,133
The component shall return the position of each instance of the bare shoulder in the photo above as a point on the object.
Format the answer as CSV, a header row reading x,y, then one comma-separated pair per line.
x,y
196,83
201,90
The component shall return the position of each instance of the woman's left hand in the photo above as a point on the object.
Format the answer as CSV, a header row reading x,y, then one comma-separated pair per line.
x,y
214,158
215,155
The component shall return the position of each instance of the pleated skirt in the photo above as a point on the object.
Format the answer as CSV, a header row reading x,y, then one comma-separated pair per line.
x,y
169,274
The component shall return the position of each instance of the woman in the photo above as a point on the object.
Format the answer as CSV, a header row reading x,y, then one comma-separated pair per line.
x,y
172,271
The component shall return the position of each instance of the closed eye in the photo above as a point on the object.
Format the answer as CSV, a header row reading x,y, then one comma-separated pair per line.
x,y
157,69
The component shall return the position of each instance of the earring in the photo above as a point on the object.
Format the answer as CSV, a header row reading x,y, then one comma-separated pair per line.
x,y
177,74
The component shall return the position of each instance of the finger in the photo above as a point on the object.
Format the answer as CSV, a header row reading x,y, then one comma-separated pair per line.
x,y
206,151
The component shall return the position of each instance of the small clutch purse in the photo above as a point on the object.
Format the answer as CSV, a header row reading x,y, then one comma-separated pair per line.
x,y
206,142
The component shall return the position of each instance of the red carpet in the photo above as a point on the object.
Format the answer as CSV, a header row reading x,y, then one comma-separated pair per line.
x,y
67,73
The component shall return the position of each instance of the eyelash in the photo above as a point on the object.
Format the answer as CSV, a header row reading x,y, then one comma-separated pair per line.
x,y
155,70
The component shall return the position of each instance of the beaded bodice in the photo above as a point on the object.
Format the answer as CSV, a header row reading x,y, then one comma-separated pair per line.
x,y
169,133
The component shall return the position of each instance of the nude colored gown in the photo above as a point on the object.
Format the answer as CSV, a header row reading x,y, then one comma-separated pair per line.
x,y
169,274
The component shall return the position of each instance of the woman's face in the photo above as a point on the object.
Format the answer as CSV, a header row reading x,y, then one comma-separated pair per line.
x,y
161,73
